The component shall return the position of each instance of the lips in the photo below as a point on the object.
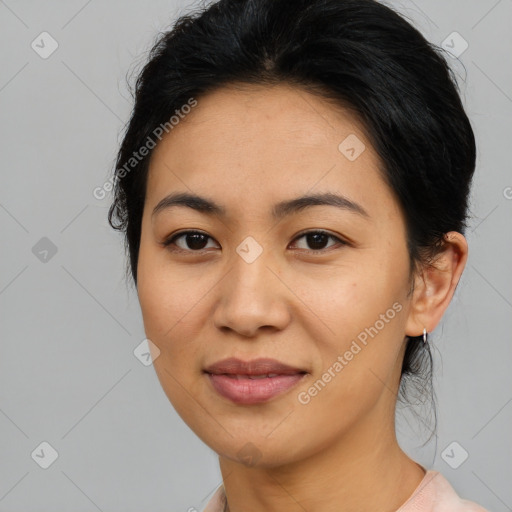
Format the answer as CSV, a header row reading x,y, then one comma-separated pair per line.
x,y
255,368
252,382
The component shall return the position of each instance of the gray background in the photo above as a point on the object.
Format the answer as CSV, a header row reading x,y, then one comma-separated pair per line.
x,y
70,325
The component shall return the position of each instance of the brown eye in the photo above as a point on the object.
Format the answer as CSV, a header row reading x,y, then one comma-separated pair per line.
x,y
189,241
317,240
196,241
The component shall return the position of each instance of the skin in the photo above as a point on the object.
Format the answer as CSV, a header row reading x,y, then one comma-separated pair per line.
x,y
247,148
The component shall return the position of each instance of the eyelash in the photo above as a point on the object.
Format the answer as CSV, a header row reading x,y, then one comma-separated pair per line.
x,y
170,241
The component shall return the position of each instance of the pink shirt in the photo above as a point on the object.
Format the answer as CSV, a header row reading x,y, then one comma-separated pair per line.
x,y
433,494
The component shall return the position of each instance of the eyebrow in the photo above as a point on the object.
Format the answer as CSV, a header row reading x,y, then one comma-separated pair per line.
x,y
279,210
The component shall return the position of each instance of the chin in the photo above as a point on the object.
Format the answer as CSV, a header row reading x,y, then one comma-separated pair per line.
x,y
257,451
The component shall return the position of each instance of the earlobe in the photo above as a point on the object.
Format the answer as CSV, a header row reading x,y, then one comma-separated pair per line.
x,y
435,285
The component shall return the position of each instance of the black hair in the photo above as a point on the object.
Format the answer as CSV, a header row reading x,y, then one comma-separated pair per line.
x,y
359,53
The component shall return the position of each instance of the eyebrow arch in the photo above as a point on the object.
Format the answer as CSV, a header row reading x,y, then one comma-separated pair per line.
x,y
280,210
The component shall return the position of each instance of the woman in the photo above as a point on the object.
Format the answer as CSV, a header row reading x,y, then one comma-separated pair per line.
x,y
293,187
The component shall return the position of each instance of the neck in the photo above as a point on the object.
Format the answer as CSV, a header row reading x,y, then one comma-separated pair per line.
x,y
365,469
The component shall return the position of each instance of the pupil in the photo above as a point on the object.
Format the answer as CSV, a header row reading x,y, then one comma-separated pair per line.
x,y
317,240
196,241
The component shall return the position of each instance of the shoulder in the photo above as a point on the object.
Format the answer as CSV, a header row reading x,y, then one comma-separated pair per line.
x,y
436,494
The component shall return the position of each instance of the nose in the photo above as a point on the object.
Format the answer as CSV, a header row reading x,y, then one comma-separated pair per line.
x,y
252,296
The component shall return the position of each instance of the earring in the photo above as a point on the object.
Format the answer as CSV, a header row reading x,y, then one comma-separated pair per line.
x,y
424,335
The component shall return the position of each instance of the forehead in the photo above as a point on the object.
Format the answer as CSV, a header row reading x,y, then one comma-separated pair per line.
x,y
265,141
262,117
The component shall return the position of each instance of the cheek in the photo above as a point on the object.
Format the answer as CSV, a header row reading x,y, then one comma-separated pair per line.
x,y
166,293
171,308
358,329
175,309
342,303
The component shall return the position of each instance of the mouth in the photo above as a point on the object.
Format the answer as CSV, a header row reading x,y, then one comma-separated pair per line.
x,y
255,367
252,382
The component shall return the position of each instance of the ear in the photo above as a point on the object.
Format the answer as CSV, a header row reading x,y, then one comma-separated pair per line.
x,y
435,285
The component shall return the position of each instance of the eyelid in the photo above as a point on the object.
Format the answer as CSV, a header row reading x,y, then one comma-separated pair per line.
x,y
171,238
340,241
321,231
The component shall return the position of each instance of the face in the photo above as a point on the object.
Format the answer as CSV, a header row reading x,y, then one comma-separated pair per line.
x,y
322,288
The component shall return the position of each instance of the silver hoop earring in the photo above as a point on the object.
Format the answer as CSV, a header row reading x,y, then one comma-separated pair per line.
x,y
424,335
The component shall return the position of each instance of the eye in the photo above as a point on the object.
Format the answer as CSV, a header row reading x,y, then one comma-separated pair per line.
x,y
318,239
196,241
